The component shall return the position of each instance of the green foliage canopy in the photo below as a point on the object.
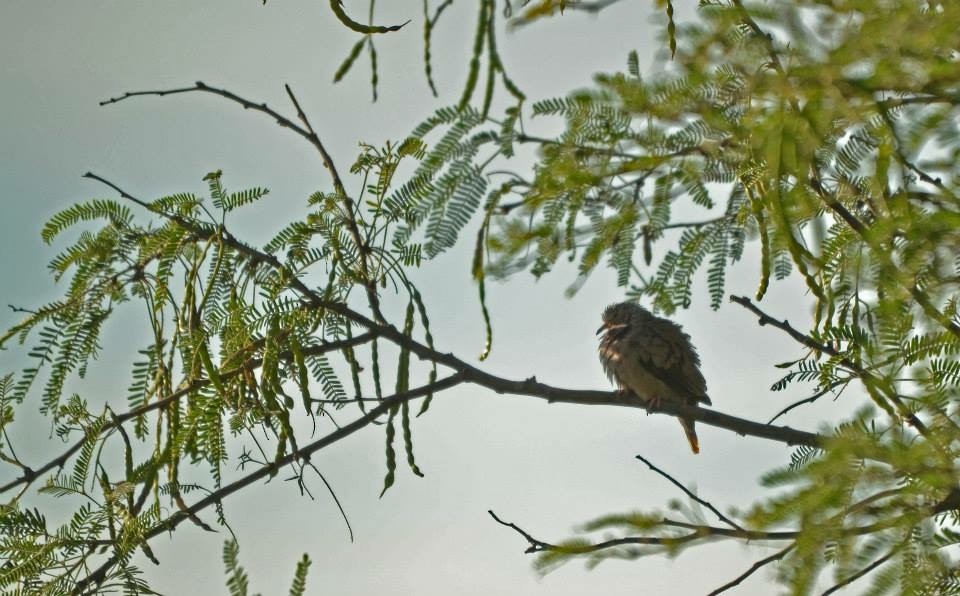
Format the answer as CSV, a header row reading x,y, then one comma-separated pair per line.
x,y
822,135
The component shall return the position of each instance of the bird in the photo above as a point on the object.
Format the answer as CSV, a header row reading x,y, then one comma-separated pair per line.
x,y
652,357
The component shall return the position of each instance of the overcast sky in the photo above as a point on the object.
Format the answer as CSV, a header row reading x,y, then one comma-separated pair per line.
x,y
544,467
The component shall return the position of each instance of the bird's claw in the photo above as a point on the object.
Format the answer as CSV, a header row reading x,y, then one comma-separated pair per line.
x,y
653,404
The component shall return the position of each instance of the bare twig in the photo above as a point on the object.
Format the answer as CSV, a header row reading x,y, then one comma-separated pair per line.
x,y
336,500
307,132
808,400
698,533
690,494
535,545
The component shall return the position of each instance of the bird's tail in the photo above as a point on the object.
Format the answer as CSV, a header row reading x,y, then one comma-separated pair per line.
x,y
691,432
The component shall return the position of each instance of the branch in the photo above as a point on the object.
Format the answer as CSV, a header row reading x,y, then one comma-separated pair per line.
x,y
690,494
29,475
758,565
535,545
303,454
465,372
864,571
307,132
904,161
247,105
471,374
868,378
698,533
530,387
809,400
766,37
350,213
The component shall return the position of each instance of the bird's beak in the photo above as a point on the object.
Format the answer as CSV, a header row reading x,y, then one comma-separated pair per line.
x,y
608,327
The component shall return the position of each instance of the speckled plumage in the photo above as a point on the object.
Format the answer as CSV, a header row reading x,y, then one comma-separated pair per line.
x,y
652,357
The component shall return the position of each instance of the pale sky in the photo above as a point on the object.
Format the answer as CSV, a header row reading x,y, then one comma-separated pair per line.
x,y
545,467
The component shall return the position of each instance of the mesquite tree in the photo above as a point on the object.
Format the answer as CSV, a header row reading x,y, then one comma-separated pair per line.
x,y
822,135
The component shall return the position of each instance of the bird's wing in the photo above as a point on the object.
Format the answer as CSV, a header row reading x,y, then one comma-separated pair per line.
x,y
666,352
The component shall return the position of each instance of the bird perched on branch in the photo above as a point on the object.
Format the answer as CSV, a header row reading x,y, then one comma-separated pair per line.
x,y
652,357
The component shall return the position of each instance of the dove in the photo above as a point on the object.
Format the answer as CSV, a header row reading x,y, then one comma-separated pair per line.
x,y
652,357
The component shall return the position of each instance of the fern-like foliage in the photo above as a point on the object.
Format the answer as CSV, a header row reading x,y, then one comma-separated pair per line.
x,y
237,344
832,157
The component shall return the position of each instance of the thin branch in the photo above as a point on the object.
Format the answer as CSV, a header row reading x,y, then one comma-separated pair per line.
x,y
307,132
350,213
694,224
535,545
766,37
849,580
698,533
525,138
29,475
471,374
466,372
808,400
268,470
902,157
336,500
315,140
753,568
868,377
690,494
245,103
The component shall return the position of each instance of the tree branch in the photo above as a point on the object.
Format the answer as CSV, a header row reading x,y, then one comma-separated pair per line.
x,y
698,532
302,454
849,580
809,400
471,374
307,132
29,475
753,568
868,378
690,494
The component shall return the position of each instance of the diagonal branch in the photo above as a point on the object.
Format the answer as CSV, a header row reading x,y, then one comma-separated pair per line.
x,y
350,213
472,374
810,400
307,132
753,568
535,544
29,475
690,494
303,454
697,533
852,578
868,378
